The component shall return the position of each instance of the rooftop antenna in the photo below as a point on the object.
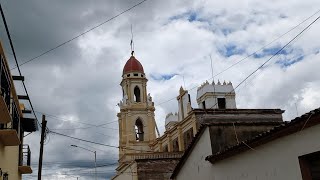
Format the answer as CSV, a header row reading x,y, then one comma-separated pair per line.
x,y
214,88
296,109
132,43
211,68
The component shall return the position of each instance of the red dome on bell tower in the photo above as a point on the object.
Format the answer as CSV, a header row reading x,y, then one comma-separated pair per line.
x,y
133,65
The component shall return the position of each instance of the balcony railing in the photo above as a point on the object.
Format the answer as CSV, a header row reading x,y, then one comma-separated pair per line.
x,y
25,160
26,155
5,92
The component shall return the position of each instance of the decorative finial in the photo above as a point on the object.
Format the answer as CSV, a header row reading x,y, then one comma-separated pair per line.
x,y
219,82
181,91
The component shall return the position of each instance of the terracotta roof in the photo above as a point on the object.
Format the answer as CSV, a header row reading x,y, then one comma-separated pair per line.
x,y
133,65
299,123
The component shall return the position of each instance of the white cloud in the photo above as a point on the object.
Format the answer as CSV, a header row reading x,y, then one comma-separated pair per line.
x,y
80,81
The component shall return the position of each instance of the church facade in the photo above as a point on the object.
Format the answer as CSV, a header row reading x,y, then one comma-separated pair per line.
x,y
144,155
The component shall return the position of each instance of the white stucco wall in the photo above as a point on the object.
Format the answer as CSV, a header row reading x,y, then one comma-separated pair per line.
x,y
276,160
196,167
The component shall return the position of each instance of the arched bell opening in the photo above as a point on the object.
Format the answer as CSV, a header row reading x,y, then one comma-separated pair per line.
x,y
137,96
139,130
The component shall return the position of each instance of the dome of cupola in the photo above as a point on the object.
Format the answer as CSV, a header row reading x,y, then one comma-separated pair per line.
x,y
133,65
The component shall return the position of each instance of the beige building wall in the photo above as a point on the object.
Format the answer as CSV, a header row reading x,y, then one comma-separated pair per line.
x,y
128,173
9,161
9,142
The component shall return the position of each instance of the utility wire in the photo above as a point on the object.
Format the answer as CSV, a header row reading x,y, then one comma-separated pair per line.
x,y
81,34
80,122
272,56
248,55
276,53
107,145
208,79
16,61
92,142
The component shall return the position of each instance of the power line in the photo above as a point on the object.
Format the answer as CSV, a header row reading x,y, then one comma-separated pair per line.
x,y
92,142
276,53
294,38
194,86
80,122
163,102
81,34
16,61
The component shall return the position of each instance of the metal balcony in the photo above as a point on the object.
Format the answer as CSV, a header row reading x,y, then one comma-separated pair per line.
x,y
25,160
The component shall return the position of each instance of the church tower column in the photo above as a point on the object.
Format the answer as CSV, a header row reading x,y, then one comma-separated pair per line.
x,y
136,116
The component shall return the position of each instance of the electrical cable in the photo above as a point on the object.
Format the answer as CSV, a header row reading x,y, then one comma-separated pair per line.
x,y
80,122
92,142
81,34
222,70
283,47
248,55
16,61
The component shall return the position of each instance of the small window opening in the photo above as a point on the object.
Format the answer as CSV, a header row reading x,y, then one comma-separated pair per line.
x,y
204,104
310,166
137,97
221,103
128,75
139,130
141,75
135,74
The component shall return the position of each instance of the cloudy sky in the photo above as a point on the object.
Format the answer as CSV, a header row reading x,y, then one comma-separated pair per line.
x,y
77,84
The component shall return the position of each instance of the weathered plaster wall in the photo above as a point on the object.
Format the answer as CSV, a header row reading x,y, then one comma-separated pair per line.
x,y
129,173
155,169
224,136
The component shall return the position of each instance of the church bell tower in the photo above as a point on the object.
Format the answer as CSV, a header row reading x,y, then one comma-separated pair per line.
x,y
136,116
